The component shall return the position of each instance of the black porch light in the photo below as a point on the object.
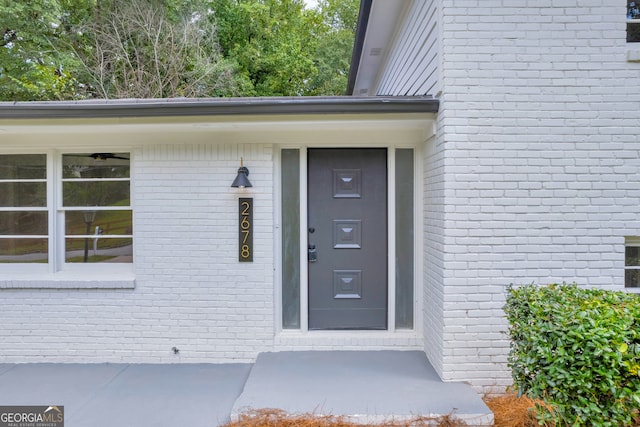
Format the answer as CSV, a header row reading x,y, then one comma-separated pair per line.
x,y
241,180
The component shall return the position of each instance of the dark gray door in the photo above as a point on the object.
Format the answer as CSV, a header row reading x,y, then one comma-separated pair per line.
x,y
347,238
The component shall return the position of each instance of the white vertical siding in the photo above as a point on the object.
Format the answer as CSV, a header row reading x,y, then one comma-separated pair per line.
x,y
411,66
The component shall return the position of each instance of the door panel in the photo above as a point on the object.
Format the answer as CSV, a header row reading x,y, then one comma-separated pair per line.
x,y
347,238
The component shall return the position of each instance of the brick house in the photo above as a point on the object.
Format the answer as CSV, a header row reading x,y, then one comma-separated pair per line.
x,y
486,144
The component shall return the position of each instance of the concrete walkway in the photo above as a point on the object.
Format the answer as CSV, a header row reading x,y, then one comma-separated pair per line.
x,y
368,386
108,395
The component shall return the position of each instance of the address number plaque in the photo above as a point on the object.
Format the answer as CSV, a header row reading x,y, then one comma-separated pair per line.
x,y
245,230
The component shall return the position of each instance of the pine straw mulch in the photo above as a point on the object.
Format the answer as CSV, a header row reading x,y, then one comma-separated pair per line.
x,y
279,418
509,410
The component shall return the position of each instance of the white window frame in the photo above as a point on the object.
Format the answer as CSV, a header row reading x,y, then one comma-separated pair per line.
x,y
57,273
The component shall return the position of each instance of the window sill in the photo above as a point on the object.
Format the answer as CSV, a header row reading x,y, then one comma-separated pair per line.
x,y
633,52
68,280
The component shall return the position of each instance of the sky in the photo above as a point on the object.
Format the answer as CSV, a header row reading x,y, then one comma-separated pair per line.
x,y
311,3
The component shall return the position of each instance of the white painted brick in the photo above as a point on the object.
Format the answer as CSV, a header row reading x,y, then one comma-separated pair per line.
x,y
545,126
188,278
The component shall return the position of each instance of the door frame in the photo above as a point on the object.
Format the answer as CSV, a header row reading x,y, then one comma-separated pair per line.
x,y
391,239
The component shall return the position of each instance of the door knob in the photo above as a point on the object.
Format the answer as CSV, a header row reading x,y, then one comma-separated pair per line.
x,y
312,253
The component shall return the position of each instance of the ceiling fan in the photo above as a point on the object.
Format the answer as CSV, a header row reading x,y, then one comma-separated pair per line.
x,y
106,156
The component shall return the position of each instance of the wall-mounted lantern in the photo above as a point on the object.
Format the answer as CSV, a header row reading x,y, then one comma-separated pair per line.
x,y
241,180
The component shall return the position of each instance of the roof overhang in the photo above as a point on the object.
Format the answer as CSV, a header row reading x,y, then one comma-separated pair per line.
x,y
173,107
374,33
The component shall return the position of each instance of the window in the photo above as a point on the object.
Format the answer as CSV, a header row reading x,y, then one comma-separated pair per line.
x,y
96,206
65,209
404,238
290,159
24,215
633,21
632,263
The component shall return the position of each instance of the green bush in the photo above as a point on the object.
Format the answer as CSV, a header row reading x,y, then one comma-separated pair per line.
x,y
578,350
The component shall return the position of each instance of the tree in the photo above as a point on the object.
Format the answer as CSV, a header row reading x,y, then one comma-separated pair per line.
x,y
283,49
34,65
272,41
146,49
332,57
74,49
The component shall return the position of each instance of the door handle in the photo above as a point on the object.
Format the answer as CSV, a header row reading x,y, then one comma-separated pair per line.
x,y
312,253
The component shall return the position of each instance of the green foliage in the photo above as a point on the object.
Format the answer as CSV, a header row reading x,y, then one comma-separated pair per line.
x,y
579,350
270,40
74,49
33,63
332,57
283,49
43,83
152,49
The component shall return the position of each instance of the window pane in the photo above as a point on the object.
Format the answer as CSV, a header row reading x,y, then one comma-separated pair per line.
x,y
632,278
633,9
12,223
95,165
633,32
632,256
23,166
291,239
23,194
108,222
102,193
404,238
99,250
23,250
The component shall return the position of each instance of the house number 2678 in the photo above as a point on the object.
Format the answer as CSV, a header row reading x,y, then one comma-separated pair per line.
x,y
245,229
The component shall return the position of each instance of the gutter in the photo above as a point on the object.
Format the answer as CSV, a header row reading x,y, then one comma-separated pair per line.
x,y
168,107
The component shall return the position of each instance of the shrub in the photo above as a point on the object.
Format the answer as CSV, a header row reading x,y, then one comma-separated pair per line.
x,y
577,349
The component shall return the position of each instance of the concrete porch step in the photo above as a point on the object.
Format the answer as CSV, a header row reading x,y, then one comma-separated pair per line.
x,y
365,386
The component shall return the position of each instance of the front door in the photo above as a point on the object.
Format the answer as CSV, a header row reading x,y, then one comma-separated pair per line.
x,y
347,238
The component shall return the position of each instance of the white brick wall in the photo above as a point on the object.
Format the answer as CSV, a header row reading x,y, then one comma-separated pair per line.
x,y
190,290
434,230
190,293
539,130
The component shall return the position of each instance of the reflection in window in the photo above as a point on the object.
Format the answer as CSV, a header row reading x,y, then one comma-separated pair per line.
x,y
97,206
99,249
24,219
23,166
633,21
95,193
